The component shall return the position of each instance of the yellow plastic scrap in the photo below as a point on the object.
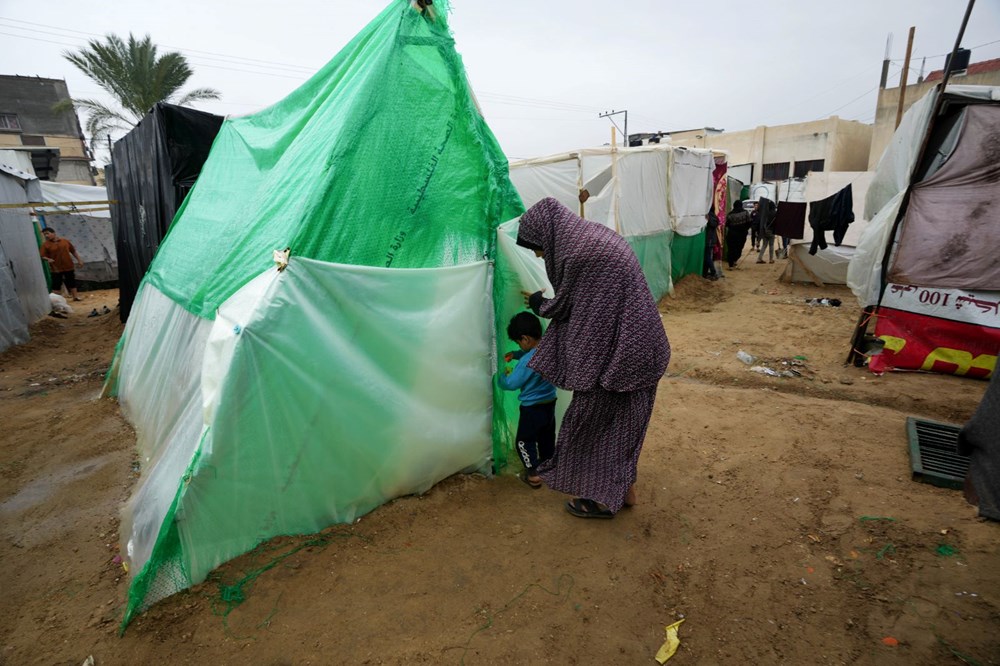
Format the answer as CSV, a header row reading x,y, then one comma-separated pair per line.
x,y
669,646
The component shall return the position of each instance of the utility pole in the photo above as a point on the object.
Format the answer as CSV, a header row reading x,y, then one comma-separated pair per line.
x,y
906,71
885,62
612,112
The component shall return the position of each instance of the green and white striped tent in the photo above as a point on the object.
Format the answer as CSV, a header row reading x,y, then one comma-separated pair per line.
x,y
317,332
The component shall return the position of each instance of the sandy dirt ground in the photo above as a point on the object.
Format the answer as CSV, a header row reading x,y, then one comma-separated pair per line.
x,y
777,518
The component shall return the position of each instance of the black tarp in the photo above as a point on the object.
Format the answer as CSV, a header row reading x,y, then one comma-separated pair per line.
x,y
152,169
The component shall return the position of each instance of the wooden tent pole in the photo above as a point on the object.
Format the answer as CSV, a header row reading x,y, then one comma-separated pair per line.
x,y
902,81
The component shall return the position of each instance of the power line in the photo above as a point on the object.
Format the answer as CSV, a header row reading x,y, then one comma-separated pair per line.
x,y
194,62
515,99
864,94
866,71
498,98
942,55
268,63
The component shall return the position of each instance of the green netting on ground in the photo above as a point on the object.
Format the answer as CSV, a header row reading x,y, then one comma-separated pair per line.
x,y
165,572
687,255
654,256
380,159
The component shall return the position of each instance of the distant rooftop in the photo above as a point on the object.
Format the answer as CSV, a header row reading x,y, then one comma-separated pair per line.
x,y
709,130
975,68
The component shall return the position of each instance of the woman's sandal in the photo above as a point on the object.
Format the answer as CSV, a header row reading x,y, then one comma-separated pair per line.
x,y
585,508
534,485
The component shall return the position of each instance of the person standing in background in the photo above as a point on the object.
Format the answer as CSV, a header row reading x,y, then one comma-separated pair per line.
x,y
755,226
765,215
709,271
59,254
737,226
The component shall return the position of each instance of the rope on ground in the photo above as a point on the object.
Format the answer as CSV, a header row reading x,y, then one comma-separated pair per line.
x,y
232,595
558,592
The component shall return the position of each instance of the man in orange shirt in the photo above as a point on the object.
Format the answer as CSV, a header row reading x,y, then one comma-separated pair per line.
x,y
59,254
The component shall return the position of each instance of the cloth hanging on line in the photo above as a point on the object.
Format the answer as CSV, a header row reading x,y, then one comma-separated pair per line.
x,y
834,214
790,221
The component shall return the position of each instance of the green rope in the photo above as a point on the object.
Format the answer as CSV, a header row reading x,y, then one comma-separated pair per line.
x,y
234,594
964,657
558,592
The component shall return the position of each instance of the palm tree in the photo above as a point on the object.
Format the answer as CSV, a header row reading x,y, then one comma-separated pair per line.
x,y
135,76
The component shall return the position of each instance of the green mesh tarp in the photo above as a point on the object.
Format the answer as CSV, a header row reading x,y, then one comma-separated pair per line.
x,y
271,401
687,255
380,159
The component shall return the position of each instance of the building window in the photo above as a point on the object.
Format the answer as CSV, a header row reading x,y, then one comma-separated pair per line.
x,y
803,167
8,121
776,171
32,140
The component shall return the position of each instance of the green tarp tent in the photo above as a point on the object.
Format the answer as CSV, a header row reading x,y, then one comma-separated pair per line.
x,y
316,334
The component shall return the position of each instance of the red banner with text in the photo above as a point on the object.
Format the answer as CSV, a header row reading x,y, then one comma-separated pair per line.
x,y
951,331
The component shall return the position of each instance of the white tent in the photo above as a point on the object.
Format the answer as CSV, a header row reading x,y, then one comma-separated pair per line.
x,y
88,227
655,196
24,297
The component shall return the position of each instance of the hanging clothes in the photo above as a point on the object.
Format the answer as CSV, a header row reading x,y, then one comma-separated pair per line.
x,y
834,214
790,221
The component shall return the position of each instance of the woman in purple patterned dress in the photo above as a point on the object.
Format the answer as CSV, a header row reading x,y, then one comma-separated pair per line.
x,y
605,343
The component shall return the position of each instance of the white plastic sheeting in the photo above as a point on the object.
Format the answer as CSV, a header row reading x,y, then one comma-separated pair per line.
x,y
63,192
829,265
24,297
597,171
159,390
19,159
317,394
557,177
766,190
636,191
895,168
690,181
864,274
643,201
529,269
793,189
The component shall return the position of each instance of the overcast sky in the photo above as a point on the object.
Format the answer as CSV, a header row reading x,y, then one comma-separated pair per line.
x,y
543,69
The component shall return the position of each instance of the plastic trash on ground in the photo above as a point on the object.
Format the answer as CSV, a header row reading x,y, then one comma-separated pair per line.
x,y
669,646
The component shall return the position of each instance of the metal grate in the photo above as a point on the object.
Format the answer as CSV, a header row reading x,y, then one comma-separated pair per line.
x,y
934,454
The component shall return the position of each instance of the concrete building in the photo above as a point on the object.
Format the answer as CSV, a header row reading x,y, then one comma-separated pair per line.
x,y
53,142
986,73
785,151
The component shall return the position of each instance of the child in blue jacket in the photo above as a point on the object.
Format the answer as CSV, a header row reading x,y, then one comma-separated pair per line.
x,y
536,427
